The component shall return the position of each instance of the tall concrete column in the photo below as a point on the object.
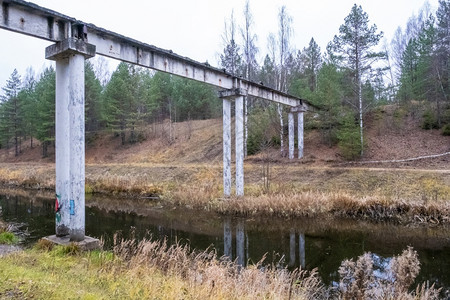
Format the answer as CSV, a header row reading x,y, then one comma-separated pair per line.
x,y
77,144
291,129
239,119
62,148
70,55
226,147
300,134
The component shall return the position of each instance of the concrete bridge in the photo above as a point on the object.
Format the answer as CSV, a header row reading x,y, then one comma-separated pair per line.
x,y
75,41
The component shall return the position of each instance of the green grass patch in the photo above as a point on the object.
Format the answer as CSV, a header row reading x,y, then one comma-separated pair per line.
x,y
8,238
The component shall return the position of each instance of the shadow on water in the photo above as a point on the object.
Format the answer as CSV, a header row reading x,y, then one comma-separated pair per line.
x,y
310,243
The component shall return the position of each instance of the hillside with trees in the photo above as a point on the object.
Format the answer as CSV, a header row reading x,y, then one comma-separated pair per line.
x,y
364,91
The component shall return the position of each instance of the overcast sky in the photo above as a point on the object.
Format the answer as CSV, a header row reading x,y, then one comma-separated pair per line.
x,y
193,28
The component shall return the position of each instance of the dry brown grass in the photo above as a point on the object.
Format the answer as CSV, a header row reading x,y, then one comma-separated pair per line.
x,y
401,196
205,276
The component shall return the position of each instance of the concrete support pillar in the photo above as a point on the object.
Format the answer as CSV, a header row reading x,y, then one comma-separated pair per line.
x,y
62,148
239,119
300,134
226,147
291,129
70,55
77,155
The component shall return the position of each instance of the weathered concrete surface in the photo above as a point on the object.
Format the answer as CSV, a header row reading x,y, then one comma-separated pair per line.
x,y
291,135
226,147
300,135
62,148
88,244
239,119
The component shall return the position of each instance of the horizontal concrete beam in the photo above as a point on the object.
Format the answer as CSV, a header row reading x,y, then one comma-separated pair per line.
x,y
31,19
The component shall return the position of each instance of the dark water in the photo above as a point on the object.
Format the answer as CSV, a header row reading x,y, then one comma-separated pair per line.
x,y
311,243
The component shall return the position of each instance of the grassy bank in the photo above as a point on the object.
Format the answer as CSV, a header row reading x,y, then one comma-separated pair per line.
x,y
153,270
290,190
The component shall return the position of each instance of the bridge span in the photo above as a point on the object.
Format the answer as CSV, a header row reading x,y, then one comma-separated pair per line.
x,y
74,42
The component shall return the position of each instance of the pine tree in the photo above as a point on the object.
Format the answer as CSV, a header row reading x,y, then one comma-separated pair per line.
x,y
11,111
116,101
45,98
93,90
231,59
311,61
353,48
443,54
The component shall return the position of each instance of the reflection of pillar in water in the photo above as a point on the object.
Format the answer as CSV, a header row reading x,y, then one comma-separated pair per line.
x,y
301,249
292,248
227,239
240,243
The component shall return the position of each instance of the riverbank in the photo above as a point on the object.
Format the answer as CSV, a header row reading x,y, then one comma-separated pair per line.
x,y
151,269
290,190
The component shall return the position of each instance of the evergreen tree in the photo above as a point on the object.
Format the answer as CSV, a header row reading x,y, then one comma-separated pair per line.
x,y
12,111
231,59
29,109
353,48
116,101
45,107
93,90
267,75
443,55
311,59
194,100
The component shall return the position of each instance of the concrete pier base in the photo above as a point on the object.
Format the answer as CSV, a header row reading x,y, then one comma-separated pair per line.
x,y
88,244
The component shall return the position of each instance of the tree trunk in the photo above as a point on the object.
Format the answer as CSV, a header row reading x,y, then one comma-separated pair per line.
x,y
44,149
360,116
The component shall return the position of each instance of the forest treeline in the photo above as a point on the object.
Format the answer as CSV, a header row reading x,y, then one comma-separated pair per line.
x,y
354,75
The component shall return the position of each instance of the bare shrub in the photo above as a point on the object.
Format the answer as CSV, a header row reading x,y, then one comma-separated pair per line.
x,y
357,280
404,270
357,277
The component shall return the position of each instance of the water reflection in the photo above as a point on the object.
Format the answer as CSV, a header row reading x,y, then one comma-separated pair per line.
x,y
293,249
301,242
241,241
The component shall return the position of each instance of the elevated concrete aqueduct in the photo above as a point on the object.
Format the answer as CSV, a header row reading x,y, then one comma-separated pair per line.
x,y
76,41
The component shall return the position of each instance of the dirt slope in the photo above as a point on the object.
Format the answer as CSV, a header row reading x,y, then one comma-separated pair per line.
x,y
389,137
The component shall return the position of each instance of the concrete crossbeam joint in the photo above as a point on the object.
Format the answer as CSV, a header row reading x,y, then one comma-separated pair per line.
x,y
67,47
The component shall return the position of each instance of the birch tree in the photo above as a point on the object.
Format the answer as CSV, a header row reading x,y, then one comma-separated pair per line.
x,y
250,64
230,59
285,33
354,50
